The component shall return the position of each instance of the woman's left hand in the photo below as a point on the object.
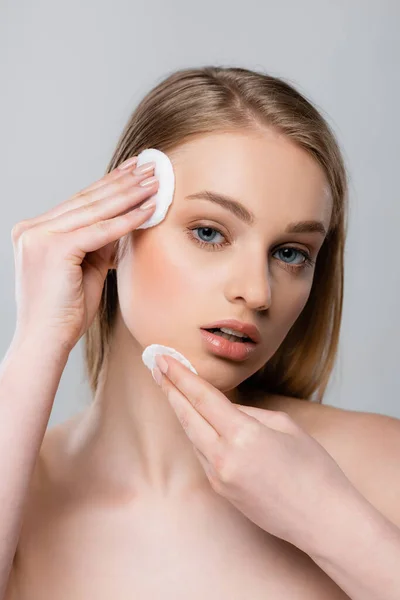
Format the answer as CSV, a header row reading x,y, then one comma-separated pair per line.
x,y
261,461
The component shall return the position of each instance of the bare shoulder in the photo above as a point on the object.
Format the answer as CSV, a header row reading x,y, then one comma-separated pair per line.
x,y
43,493
365,445
28,516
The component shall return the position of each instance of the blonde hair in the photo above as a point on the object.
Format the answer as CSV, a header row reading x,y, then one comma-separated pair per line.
x,y
213,99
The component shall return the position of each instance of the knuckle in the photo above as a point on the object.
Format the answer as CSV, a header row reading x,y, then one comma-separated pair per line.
x,y
184,421
245,434
226,473
27,239
81,195
91,210
282,418
102,225
18,229
221,463
114,188
198,403
87,207
215,482
284,422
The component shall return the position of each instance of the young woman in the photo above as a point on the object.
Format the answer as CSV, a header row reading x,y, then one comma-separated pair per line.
x,y
114,503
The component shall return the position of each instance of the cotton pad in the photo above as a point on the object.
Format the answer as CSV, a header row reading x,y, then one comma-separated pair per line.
x,y
164,171
149,356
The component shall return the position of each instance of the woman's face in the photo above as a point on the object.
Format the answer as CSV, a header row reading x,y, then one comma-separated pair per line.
x,y
202,263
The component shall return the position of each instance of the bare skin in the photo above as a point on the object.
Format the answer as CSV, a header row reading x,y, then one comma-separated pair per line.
x,y
77,544
119,505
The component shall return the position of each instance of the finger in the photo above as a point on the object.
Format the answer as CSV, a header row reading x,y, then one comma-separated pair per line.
x,y
257,413
274,419
119,171
202,435
209,402
207,466
125,198
119,179
99,234
110,177
97,190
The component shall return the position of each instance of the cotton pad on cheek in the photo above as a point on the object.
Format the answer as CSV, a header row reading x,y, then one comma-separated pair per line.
x,y
149,356
164,171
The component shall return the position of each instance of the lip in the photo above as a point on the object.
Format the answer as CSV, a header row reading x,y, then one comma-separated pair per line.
x,y
246,328
236,351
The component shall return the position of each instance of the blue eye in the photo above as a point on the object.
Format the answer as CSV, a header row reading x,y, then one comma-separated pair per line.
x,y
291,250
208,231
210,245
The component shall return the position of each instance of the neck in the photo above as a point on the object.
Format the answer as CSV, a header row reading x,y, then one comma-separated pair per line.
x,y
129,439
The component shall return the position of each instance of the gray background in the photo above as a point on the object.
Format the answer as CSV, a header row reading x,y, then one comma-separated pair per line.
x,y
72,72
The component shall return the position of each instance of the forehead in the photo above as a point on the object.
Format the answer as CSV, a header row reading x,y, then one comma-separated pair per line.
x,y
263,170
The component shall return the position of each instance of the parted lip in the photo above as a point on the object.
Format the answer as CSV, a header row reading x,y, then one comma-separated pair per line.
x,y
246,328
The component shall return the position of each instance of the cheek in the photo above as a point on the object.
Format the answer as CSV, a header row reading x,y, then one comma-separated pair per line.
x,y
156,284
288,307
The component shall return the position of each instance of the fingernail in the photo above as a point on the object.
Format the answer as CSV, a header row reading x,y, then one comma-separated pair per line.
x,y
148,204
162,364
146,168
128,163
148,181
157,375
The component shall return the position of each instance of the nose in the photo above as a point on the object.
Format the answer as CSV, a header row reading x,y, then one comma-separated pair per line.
x,y
251,284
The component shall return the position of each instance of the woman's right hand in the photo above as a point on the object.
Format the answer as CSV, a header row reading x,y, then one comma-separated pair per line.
x,y
62,257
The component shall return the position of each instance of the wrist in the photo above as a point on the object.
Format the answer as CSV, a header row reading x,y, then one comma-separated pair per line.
x,y
352,526
361,552
39,346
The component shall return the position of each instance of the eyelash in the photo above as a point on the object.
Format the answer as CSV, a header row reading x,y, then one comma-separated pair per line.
x,y
308,262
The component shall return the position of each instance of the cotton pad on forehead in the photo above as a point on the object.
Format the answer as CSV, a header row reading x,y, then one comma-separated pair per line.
x,y
166,186
149,356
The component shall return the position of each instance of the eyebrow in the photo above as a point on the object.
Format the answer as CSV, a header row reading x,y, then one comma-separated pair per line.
x,y
248,217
